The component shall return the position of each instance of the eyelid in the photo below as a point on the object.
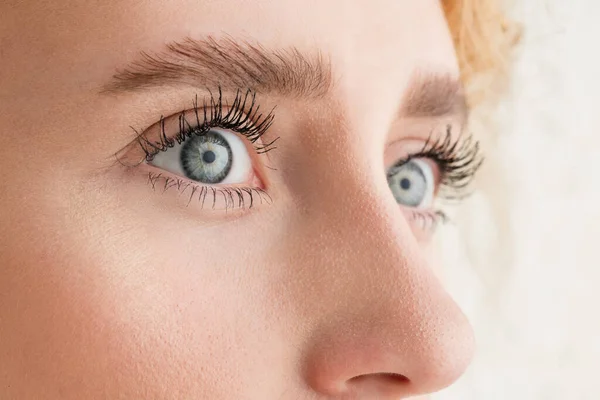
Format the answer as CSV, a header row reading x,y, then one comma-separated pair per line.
x,y
260,177
457,159
242,116
402,150
188,193
215,197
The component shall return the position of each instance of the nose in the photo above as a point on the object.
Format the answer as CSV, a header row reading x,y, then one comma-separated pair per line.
x,y
383,327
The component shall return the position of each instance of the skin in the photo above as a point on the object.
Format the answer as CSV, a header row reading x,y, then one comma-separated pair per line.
x,y
112,290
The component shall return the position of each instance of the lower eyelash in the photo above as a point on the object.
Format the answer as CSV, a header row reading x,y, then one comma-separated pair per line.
x,y
428,220
231,197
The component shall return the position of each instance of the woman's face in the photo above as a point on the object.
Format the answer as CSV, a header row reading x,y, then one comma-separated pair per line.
x,y
227,199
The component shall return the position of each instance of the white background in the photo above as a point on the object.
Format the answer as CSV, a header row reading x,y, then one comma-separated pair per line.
x,y
524,262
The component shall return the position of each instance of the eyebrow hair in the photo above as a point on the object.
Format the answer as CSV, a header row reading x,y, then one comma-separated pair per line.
x,y
228,64
434,95
233,65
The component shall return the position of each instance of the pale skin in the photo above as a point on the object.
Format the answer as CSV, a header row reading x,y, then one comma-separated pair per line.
x,y
113,288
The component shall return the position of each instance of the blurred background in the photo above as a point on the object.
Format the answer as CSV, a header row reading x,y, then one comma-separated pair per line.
x,y
522,256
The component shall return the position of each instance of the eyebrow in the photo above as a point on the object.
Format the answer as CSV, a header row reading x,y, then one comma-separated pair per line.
x,y
233,65
228,64
434,95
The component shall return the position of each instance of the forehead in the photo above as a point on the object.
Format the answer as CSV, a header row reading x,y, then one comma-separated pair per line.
x,y
363,38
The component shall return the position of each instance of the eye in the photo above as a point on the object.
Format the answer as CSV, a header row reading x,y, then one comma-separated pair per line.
x,y
412,183
216,156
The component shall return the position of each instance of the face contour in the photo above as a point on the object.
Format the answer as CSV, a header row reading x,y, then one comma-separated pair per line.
x,y
227,199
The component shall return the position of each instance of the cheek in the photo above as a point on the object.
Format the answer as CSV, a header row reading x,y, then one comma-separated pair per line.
x,y
108,293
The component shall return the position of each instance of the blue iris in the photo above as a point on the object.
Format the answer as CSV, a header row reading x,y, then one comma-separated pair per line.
x,y
206,158
408,183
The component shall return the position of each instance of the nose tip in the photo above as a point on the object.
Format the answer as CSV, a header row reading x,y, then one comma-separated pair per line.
x,y
374,365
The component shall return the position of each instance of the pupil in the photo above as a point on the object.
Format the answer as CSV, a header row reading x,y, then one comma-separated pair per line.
x,y
209,157
405,183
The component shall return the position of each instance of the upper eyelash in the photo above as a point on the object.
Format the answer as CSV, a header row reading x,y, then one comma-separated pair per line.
x,y
458,160
242,117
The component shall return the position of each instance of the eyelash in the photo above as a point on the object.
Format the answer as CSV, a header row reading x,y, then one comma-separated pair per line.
x,y
234,197
238,117
458,162
242,116
428,220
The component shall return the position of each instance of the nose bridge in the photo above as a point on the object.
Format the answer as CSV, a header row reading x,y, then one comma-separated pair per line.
x,y
361,245
357,254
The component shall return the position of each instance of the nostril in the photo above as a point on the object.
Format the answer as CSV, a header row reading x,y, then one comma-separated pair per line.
x,y
388,377
382,383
